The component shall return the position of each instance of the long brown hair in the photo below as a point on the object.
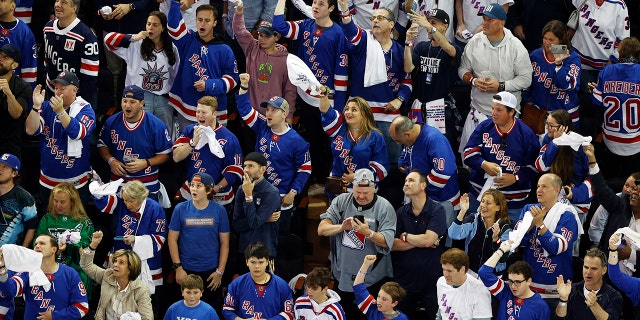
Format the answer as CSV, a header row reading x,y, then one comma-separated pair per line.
x,y
500,200
562,165
368,122
77,211
559,29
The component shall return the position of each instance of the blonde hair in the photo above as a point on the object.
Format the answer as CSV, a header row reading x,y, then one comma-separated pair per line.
x,y
133,262
77,211
368,124
135,190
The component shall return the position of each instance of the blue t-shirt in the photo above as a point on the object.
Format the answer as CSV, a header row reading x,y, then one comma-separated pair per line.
x,y
199,241
203,311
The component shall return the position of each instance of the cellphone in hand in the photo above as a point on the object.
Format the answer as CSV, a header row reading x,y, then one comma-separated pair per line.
x,y
359,217
559,48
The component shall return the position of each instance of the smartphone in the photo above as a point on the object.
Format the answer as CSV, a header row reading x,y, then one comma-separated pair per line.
x,y
559,48
359,217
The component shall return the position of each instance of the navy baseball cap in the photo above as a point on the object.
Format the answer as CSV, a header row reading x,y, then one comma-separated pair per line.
x,y
10,160
267,29
133,92
66,78
438,14
495,11
203,177
12,51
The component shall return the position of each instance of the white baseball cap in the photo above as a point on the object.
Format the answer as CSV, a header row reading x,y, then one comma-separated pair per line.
x,y
506,99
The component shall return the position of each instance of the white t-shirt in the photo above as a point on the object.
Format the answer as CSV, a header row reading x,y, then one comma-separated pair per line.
x,y
470,300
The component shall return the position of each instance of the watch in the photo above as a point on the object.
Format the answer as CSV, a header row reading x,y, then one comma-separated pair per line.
x,y
175,266
501,86
132,6
433,30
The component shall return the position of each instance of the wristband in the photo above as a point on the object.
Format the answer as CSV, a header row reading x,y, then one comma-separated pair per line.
x,y
371,234
244,88
148,163
92,249
36,110
563,301
248,198
542,226
345,14
362,272
613,250
409,44
62,113
500,249
112,159
220,272
590,163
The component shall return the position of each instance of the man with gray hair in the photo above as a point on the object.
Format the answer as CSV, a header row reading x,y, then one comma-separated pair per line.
x,y
548,238
359,223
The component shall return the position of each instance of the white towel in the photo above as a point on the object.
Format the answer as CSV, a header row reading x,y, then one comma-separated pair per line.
x,y
375,70
74,147
573,140
209,137
143,246
98,190
20,259
163,197
632,237
69,237
517,234
301,76
130,315
488,184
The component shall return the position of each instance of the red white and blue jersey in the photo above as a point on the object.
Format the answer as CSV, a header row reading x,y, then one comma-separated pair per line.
x,y
367,304
512,307
600,30
516,155
22,37
398,82
150,222
148,138
370,151
56,165
550,254
75,49
287,153
248,300
67,298
203,160
435,158
580,182
213,62
24,11
618,91
555,88
325,53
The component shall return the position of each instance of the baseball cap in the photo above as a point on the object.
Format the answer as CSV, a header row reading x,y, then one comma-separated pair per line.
x,y
12,51
495,11
10,160
66,78
438,14
278,103
363,178
257,158
203,177
267,29
133,92
506,99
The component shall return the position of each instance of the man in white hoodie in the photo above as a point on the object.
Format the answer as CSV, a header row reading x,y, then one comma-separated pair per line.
x,y
493,61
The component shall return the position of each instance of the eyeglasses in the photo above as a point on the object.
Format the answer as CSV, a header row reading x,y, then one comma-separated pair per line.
x,y
550,126
503,143
515,282
379,18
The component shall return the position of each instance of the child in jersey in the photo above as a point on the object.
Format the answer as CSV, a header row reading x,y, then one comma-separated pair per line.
x,y
388,298
191,307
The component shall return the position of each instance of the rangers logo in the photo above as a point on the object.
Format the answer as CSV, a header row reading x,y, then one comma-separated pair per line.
x,y
69,44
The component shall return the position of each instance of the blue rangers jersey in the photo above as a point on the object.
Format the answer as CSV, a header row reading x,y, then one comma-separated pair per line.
x,y
248,300
555,88
515,152
325,53
24,10
398,82
148,138
22,37
151,222
55,164
618,91
287,153
213,62
434,157
203,160
367,152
